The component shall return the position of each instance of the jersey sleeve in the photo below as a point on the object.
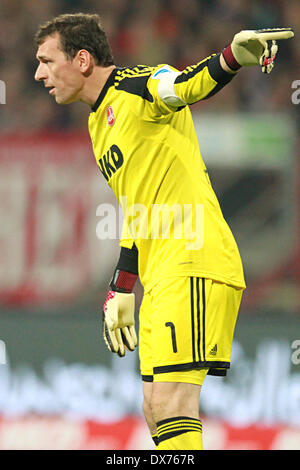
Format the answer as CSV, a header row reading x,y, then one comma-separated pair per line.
x,y
173,89
126,240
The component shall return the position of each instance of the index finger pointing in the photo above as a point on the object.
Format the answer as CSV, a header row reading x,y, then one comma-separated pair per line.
x,y
275,34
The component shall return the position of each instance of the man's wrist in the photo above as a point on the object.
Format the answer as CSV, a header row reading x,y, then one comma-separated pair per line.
x,y
123,281
126,272
228,61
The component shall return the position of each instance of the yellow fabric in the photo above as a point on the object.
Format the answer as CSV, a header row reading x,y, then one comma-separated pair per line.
x,y
149,153
187,323
186,441
195,376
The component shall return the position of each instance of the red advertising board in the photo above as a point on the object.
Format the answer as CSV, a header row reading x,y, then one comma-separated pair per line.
x,y
50,187
131,433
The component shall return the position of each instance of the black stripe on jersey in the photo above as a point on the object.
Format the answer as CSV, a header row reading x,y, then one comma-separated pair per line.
x,y
191,71
136,70
135,84
109,82
128,260
215,70
219,75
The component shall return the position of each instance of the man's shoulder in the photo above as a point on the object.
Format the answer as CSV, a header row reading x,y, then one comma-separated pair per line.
x,y
134,80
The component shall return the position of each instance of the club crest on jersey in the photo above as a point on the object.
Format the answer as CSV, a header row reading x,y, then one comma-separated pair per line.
x,y
110,116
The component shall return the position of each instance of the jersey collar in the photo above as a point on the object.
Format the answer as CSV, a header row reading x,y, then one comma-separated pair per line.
x,y
109,82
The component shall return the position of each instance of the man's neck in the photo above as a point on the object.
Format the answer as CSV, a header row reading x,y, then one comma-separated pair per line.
x,y
94,84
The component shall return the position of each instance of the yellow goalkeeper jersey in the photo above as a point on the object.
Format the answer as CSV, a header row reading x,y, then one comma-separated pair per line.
x,y
146,147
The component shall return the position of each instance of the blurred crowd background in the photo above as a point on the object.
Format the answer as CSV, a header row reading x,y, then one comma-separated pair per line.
x,y
55,269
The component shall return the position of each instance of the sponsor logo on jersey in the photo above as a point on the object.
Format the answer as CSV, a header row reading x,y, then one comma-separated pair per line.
x,y
111,161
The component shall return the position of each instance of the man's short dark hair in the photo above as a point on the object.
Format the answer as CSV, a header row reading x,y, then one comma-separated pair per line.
x,y
78,31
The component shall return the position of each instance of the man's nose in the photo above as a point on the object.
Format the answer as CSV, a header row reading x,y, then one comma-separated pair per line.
x,y
40,73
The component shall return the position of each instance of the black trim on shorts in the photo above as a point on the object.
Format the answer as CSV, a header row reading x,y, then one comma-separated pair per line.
x,y
212,365
212,371
217,372
147,378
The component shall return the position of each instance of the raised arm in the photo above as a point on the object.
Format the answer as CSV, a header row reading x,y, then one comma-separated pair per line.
x,y
201,81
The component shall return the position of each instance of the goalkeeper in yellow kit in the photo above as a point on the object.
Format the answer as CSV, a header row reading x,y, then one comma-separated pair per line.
x,y
175,237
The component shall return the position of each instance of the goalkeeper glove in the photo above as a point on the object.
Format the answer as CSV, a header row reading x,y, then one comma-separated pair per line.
x,y
251,47
118,309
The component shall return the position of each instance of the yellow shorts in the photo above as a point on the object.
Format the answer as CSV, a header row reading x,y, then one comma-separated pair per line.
x,y
186,327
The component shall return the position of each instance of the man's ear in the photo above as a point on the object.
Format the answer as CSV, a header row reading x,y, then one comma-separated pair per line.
x,y
85,62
